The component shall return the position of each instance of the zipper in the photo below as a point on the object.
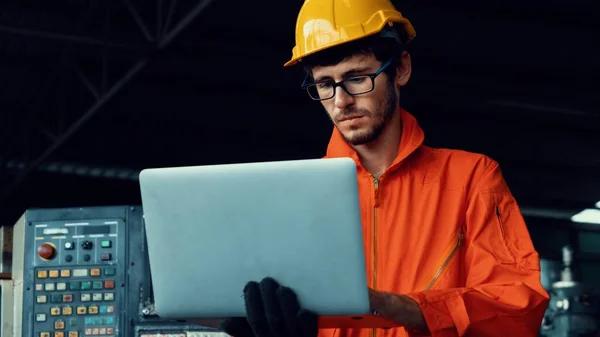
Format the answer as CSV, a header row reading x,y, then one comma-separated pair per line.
x,y
498,215
446,260
374,237
501,224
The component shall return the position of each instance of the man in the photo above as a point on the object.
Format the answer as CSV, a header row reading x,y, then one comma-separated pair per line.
x,y
448,251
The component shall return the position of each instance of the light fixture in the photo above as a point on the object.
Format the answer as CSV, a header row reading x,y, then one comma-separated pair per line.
x,y
598,204
591,216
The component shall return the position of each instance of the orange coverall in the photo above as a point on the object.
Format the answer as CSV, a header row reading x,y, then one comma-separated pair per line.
x,y
442,227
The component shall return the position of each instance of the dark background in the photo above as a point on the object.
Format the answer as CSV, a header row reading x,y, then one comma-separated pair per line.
x,y
93,91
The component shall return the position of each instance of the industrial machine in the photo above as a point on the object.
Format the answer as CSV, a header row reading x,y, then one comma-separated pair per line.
x,y
85,272
574,308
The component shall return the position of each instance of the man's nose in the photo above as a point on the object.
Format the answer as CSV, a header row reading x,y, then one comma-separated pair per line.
x,y
342,98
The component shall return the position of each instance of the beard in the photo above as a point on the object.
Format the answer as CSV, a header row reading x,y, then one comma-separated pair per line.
x,y
385,111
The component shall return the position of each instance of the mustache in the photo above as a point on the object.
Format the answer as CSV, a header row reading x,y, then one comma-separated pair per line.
x,y
350,112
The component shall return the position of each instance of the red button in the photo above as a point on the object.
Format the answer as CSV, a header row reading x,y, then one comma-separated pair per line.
x,y
109,284
46,251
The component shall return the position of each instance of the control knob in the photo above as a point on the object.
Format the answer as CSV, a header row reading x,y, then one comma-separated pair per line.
x,y
87,245
46,251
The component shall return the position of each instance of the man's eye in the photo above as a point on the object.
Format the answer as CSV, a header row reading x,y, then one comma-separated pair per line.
x,y
324,85
356,80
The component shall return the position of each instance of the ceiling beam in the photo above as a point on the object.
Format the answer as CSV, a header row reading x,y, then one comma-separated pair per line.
x,y
101,101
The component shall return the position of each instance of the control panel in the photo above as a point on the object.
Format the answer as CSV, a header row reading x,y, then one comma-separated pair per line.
x,y
75,272
86,272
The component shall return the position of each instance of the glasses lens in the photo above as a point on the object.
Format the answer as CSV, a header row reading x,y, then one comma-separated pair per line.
x,y
320,91
358,84
354,86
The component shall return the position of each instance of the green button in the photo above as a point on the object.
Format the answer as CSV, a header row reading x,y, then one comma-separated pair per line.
x,y
109,271
97,285
106,244
86,285
74,285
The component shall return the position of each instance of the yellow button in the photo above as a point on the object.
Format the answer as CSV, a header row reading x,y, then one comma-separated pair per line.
x,y
55,311
44,334
67,311
59,334
65,273
59,325
81,310
54,274
95,271
42,274
93,310
42,299
73,334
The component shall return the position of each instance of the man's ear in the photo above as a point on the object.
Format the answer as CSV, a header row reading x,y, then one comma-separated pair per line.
x,y
403,70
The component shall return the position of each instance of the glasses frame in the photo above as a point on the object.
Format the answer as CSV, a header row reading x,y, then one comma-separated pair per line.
x,y
306,86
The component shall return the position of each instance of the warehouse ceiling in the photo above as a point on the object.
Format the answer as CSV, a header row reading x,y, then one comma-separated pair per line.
x,y
93,91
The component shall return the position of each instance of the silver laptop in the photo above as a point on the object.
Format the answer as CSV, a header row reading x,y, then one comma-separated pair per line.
x,y
211,229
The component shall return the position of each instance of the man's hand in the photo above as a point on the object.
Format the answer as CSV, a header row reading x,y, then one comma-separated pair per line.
x,y
272,310
397,308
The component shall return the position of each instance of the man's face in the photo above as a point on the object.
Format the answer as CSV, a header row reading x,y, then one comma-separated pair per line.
x,y
360,119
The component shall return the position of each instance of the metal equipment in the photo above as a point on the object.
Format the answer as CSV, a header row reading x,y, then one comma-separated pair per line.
x,y
75,279
85,272
574,308
6,308
6,238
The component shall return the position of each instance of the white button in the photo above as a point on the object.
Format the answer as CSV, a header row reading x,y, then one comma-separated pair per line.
x,y
39,286
61,286
40,317
80,272
85,297
41,299
108,296
97,297
49,286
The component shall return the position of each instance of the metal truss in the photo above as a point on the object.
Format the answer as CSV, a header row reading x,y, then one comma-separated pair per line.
x,y
74,169
152,45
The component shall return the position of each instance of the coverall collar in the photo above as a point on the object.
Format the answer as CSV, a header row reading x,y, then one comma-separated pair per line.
x,y
412,138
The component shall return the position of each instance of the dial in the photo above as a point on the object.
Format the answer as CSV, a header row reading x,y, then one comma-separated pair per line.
x,y
87,245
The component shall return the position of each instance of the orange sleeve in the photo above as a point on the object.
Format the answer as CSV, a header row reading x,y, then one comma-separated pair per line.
x,y
503,294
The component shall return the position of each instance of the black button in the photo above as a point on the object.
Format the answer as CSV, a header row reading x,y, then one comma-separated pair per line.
x,y
87,245
86,257
68,258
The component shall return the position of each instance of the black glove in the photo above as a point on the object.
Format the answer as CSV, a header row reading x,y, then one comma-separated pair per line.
x,y
272,310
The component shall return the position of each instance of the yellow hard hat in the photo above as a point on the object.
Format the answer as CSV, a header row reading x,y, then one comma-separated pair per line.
x,y
324,24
